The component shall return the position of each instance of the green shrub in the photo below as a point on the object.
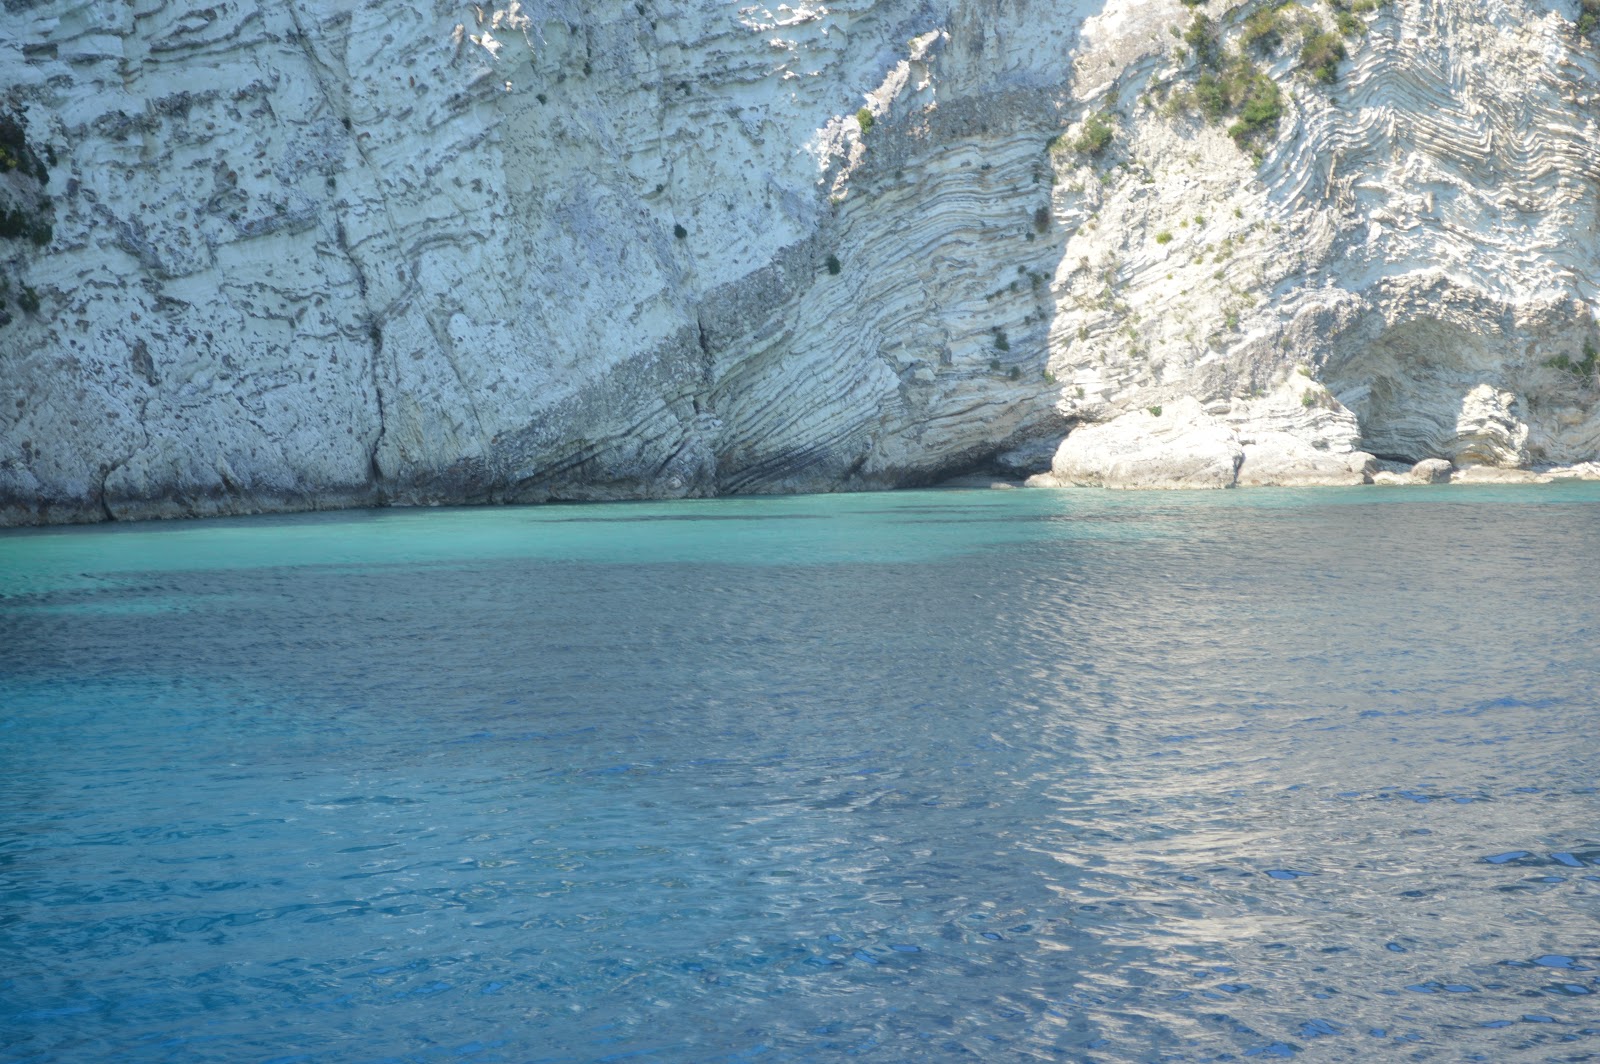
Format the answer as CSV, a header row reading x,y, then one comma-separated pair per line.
x,y
1155,411
1164,237
1096,136
1321,55
1588,17
1231,86
1243,91
1259,111
1211,95
1584,370
833,265
1264,30
1204,40
15,154
29,300
1308,400
864,119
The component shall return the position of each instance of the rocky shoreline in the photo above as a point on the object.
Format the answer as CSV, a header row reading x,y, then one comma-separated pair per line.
x,y
305,256
1299,435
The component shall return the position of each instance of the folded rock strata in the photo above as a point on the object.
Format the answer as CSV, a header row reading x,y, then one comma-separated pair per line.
x,y
305,254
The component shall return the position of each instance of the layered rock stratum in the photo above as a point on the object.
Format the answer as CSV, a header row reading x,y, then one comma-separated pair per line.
x,y
305,254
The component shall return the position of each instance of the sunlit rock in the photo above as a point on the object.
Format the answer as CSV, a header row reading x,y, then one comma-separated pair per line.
x,y
1176,446
304,255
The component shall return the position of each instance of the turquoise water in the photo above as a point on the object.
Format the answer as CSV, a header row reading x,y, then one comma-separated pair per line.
x,y
923,776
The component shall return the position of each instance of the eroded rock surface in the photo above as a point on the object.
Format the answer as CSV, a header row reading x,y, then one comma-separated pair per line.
x,y
277,256
1145,449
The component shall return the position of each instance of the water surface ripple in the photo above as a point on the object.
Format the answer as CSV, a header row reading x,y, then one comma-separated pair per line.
x,y
926,776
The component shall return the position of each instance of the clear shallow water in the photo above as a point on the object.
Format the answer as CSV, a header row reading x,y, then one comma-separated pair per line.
x,y
924,776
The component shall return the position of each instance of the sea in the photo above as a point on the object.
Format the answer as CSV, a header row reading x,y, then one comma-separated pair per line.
x,y
919,776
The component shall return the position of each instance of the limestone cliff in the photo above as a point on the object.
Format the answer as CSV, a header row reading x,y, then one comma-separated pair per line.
x,y
278,256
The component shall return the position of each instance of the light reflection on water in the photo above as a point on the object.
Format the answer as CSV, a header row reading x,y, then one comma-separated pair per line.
x,y
927,776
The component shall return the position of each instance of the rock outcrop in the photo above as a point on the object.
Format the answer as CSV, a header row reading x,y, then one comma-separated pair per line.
x,y
279,256
1295,438
1143,449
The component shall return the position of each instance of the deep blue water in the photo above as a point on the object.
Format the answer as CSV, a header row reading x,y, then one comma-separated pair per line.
x,y
924,776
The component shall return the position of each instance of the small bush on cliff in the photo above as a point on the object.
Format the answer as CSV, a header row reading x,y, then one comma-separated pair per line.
x,y
30,218
1230,84
1204,41
1265,30
1588,17
1260,108
1096,136
864,120
1585,370
15,153
1345,14
20,225
1321,55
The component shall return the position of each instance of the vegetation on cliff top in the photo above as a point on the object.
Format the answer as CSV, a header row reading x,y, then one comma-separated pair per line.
x,y
1230,85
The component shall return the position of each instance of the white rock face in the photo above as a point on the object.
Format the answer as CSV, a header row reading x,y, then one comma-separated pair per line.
x,y
1581,471
278,256
1283,460
1299,436
1148,449
1296,437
